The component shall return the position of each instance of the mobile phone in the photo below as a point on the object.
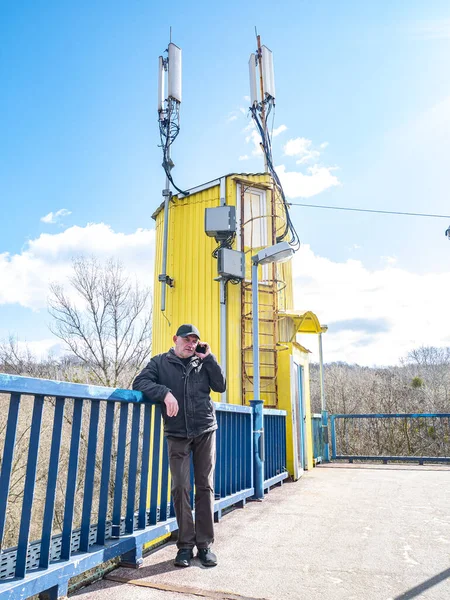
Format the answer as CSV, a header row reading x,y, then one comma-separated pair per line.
x,y
201,348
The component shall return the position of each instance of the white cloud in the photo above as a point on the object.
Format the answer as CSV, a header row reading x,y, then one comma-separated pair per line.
x,y
42,349
299,185
323,145
301,147
26,276
54,217
390,300
244,157
279,130
247,98
297,146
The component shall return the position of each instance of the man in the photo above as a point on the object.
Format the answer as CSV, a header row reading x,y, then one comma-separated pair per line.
x,y
181,380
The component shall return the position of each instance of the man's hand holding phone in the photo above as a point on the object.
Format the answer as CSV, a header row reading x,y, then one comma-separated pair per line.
x,y
202,350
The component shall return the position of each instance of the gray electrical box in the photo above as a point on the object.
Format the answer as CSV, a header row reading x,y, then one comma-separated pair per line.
x,y
231,263
220,222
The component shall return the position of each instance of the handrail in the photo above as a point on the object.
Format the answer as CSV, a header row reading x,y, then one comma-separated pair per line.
x,y
401,442
48,387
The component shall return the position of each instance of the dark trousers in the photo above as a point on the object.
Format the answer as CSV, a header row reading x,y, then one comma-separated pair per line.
x,y
203,449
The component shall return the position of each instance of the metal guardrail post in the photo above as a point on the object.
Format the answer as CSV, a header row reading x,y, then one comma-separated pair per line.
x,y
326,444
333,436
258,448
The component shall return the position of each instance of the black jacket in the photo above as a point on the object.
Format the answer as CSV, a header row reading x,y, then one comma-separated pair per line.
x,y
190,385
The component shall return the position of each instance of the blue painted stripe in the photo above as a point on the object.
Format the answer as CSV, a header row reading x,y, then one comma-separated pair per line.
x,y
234,463
251,441
89,476
221,464
28,492
164,482
120,469
270,444
155,466
132,469
106,472
217,466
266,440
240,485
50,495
48,387
71,486
228,455
7,459
143,491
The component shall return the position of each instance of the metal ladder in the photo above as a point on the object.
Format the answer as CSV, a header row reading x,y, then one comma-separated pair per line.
x,y
268,318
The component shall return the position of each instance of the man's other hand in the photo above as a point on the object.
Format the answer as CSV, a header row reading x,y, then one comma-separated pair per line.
x,y
171,405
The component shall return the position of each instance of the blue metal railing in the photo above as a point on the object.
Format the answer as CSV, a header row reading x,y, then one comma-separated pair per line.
x,y
274,446
115,477
406,437
318,441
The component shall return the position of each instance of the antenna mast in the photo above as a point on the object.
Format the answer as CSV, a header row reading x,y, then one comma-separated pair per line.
x,y
261,106
169,128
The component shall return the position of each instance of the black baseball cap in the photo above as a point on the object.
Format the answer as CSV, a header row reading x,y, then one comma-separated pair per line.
x,y
187,329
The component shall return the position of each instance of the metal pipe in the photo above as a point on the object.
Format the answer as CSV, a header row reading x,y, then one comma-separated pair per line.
x,y
322,387
166,194
258,448
323,404
223,332
255,308
223,303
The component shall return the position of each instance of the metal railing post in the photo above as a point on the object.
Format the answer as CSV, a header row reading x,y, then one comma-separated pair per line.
x,y
258,448
326,444
333,436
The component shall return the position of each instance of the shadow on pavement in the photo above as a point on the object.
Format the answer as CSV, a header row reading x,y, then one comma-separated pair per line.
x,y
422,587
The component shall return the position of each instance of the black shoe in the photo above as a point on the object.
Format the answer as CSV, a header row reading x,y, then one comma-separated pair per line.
x,y
183,557
207,558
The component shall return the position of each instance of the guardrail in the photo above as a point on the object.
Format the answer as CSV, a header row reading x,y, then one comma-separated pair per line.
x,y
402,437
318,438
85,470
274,446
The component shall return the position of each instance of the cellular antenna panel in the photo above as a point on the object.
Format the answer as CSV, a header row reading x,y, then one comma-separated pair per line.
x,y
174,77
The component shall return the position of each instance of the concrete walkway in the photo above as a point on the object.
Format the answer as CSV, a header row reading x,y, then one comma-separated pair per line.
x,y
362,532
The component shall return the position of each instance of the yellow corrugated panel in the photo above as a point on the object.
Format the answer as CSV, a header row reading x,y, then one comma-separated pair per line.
x,y
195,295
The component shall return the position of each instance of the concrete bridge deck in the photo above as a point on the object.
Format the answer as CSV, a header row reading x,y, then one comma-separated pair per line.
x,y
342,532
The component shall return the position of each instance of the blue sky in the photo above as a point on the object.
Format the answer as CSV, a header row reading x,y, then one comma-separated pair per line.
x,y
363,93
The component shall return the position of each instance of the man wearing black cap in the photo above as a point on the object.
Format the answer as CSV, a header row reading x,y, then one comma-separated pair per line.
x,y
181,380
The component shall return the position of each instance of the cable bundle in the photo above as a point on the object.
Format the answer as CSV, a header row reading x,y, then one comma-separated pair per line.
x,y
169,128
266,144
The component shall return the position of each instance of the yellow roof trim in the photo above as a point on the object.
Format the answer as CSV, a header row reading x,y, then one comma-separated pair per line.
x,y
301,348
305,322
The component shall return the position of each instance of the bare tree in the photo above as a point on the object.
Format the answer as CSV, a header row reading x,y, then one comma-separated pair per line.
x,y
105,320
